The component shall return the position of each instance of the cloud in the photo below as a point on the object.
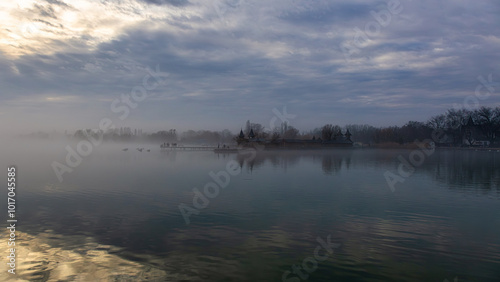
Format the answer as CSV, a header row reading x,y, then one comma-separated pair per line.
x,y
178,3
241,59
59,3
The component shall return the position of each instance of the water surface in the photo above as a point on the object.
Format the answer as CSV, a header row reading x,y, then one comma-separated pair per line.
x,y
117,217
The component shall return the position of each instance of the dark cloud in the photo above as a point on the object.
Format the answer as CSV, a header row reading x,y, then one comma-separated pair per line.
x,y
59,3
239,62
44,11
58,25
177,3
312,13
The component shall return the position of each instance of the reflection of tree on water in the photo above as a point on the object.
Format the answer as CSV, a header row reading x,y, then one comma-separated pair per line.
x,y
261,157
467,169
331,164
332,161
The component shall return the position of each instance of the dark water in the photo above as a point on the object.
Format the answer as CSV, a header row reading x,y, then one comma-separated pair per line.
x,y
116,217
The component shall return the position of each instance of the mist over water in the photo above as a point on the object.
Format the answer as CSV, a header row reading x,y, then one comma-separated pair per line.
x,y
116,215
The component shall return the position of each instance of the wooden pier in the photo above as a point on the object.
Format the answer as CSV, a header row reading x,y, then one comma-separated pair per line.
x,y
188,148
219,149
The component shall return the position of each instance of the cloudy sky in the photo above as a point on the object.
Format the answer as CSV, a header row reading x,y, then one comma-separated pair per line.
x,y
64,63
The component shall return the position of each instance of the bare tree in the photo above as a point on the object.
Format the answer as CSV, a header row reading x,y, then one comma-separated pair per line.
x,y
455,120
437,122
291,132
362,132
337,132
327,132
488,120
275,136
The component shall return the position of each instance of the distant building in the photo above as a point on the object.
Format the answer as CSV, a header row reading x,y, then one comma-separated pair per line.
x,y
472,135
339,140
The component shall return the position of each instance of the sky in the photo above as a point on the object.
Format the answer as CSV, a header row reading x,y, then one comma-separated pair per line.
x,y
206,64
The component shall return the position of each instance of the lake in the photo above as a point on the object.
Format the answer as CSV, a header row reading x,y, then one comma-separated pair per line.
x,y
255,216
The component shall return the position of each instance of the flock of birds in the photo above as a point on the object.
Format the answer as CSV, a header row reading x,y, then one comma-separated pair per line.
x,y
138,149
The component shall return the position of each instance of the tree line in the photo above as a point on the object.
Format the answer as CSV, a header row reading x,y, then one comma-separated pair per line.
x,y
486,121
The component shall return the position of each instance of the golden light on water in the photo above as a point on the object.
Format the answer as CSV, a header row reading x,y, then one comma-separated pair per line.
x,y
52,257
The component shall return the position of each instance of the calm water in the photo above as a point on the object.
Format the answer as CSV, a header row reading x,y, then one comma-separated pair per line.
x,y
116,217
